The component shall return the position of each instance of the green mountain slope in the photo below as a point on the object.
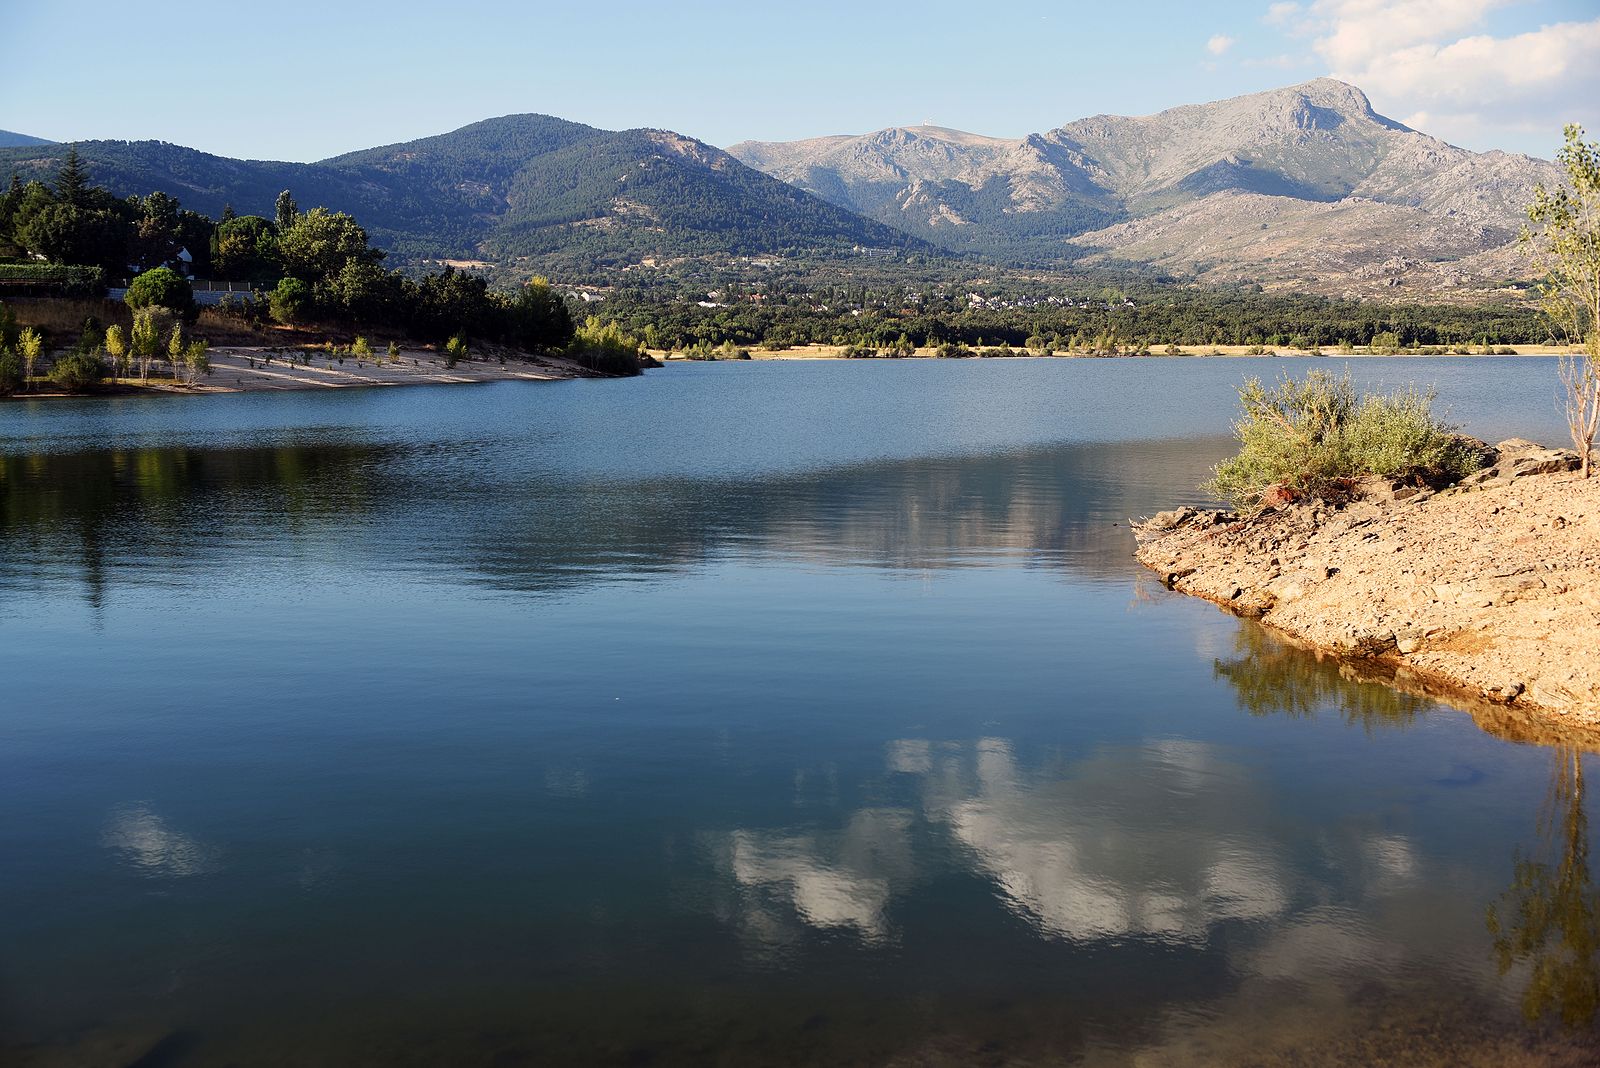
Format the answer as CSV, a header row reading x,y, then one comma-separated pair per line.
x,y
9,138
513,189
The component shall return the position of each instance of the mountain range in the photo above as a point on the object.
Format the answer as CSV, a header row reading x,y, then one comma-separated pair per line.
x,y
1304,187
521,190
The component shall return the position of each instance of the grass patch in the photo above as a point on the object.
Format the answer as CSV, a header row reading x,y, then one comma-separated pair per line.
x,y
1315,438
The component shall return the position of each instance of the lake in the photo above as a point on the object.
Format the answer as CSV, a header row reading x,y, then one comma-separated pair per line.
x,y
766,713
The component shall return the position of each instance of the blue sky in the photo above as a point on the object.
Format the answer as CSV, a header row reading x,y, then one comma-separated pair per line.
x,y
303,81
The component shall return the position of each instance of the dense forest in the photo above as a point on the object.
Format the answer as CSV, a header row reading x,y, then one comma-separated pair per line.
x,y
930,304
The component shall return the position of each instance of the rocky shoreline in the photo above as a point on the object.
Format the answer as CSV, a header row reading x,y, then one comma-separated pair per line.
x,y
1488,590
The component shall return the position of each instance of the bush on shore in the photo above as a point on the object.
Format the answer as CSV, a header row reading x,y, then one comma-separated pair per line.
x,y
77,371
1315,438
605,348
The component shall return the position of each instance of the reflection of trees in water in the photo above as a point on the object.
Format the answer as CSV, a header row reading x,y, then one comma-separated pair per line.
x,y
498,519
1270,676
169,506
1549,919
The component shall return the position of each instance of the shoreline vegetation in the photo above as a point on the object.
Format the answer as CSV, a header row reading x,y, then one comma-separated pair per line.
x,y
843,352
292,278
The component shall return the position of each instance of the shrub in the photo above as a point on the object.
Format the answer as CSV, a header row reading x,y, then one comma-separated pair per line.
x,y
161,287
605,348
78,370
361,349
10,372
1314,438
290,301
859,351
1386,343
455,350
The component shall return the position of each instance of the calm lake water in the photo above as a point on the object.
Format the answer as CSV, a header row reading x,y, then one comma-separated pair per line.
x,y
741,714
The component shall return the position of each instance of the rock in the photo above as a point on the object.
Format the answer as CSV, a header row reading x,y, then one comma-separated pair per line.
x,y
1546,462
1172,578
1506,692
1169,520
1518,458
1278,496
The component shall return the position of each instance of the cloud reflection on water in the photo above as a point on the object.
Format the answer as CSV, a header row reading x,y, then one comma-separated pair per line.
x,y
145,841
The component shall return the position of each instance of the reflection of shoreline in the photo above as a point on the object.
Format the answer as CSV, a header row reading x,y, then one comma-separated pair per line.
x,y
523,527
1272,672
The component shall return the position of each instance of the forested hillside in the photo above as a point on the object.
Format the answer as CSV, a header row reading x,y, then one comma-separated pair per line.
x,y
522,187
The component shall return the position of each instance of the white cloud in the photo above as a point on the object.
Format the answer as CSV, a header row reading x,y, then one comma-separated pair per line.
x,y
1281,14
1219,44
1430,60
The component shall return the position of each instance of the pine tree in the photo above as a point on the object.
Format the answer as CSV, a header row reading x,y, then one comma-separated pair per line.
x,y
72,182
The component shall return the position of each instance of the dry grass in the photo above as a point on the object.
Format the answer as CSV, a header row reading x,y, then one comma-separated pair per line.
x,y
61,320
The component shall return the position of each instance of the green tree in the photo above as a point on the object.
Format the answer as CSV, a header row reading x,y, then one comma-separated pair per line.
x,y
156,237
364,292
117,349
65,233
319,243
285,211
72,181
606,348
197,359
1567,247
144,341
161,287
246,250
290,301
539,317
176,344
30,346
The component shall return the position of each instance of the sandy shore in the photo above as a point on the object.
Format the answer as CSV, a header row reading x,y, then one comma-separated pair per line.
x,y
1489,590
237,369
245,369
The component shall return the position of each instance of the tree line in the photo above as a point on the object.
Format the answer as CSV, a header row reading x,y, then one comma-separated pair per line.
x,y
303,267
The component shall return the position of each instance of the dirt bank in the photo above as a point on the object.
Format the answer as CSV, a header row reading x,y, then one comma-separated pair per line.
x,y
1489,589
